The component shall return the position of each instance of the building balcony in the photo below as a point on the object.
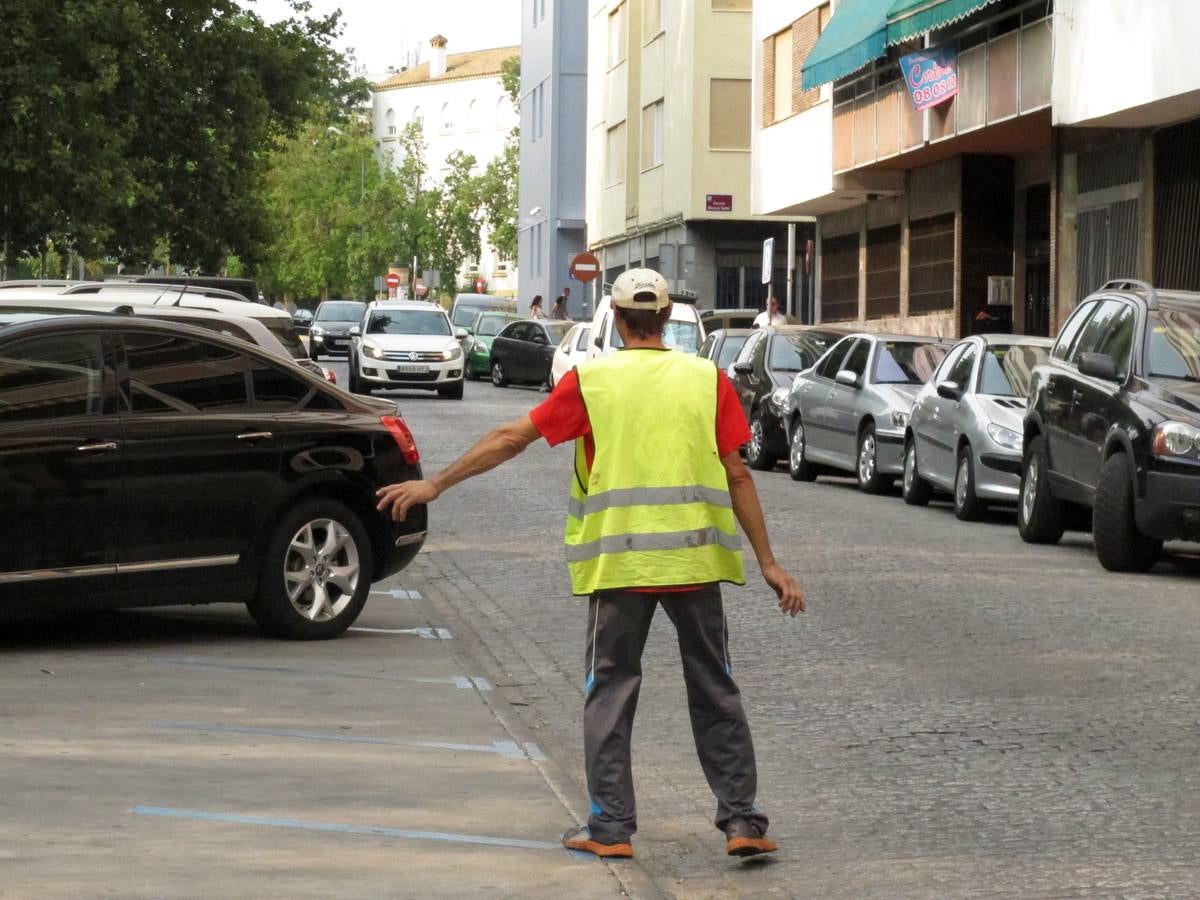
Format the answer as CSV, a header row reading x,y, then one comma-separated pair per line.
x,y
1004,73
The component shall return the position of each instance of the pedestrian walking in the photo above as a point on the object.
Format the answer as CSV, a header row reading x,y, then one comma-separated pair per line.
x,y
656,489
535,308
559,310
771,315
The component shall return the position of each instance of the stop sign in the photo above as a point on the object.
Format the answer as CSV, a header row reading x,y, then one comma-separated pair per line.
x,y
419,288
585,267
393,279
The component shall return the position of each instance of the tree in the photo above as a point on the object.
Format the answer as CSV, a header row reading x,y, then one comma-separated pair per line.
x,y
498,186
130,125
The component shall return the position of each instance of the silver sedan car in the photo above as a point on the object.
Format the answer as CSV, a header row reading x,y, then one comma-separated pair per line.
x,y
849,412
964,434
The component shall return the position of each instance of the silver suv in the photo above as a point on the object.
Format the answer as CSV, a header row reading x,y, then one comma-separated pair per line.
x,y
406,345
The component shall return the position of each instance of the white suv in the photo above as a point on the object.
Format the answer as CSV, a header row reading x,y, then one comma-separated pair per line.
x,y
406,345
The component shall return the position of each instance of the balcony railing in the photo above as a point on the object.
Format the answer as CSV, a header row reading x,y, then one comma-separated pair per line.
x,y
1004,69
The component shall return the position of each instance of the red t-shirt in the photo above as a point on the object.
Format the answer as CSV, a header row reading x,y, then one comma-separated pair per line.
x,y
563,417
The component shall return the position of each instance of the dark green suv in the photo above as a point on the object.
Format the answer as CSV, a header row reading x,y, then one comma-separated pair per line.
x,y
1113,425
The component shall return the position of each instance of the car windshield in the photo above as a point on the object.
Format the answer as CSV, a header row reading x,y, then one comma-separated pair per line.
x,y
907,362
730,349
1007,368
408,321
796,352
1173,344
490,326
683,336
465,313
558,330
347,311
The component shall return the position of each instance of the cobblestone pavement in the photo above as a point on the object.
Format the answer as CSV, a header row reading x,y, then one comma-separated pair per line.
x,y
958,715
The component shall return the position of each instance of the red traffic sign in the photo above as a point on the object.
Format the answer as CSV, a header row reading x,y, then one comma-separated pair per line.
x,y
393,279
585,267
479,285
419,288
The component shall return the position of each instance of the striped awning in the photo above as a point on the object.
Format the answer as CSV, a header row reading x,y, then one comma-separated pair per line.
x,y
853,38
907,19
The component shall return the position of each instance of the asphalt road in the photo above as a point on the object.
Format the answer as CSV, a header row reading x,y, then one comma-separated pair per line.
x,y
958,714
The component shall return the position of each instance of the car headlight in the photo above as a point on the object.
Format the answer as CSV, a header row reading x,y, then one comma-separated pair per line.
x,y
479,347
1175,439
372,351
452,352
1005,437
899,419
779,401
316,331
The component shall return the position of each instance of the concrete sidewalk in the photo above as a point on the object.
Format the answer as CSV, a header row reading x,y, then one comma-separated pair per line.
x,y
179,752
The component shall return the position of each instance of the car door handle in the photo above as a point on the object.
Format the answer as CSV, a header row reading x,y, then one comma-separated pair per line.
x,y
97,447
255,436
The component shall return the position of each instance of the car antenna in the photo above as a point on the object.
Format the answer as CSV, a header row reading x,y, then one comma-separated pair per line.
x,y
182,290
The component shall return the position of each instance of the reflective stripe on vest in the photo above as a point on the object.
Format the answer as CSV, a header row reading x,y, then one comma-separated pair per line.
x,y
654,508
692,493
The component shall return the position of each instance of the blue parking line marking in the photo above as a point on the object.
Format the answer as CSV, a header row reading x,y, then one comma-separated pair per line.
x,y
503,749
462,682
374,830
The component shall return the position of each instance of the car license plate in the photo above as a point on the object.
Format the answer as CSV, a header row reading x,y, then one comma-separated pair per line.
x,y
411,370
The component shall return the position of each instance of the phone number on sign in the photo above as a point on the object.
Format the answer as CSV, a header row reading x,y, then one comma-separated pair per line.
x,y
943,88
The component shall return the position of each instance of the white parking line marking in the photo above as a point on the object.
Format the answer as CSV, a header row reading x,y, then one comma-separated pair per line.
x,y
440,634
398,594
503,749
201,816
462,682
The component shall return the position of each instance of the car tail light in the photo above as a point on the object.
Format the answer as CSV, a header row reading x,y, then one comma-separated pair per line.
x,y
404,438
330,375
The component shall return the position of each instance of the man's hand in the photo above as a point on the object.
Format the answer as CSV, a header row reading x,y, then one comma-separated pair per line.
x,y
791,598
400,498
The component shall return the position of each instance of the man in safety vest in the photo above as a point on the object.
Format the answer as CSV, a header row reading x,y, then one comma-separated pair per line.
x,y
656,488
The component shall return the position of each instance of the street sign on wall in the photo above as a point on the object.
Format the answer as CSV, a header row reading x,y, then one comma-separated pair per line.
x,y
718,202
768,259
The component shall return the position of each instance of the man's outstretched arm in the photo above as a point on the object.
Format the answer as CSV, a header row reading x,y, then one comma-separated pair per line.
x,y
749,515
496,447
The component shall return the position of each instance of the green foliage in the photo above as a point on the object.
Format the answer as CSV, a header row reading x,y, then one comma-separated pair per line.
x,y
141,129
499,182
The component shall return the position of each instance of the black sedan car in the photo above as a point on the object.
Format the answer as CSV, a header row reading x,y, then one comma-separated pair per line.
x,y
763,373
1113,425
723,346
329,331
144,463
524,351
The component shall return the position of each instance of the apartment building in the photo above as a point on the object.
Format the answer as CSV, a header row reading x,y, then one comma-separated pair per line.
x,y
980,165
668,148
460,103
553,167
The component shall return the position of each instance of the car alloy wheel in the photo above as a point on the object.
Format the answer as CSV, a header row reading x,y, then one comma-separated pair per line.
x,y
915,489
498,377
798,467
867,452
966,504
321,570
1029,494
1040,516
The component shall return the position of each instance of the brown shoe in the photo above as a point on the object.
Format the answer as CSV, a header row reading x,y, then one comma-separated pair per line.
x,y
750,846
580,839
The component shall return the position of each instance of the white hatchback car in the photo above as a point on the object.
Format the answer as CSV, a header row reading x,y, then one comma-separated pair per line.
x,y
571,351
684,331
406,345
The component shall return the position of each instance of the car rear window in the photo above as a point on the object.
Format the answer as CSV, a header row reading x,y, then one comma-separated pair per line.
x,y
285,329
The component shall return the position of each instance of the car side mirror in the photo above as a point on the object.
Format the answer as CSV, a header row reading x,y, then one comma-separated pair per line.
x,y
461,333
950,390
355,331
599,341
743,368
846,377
1098,365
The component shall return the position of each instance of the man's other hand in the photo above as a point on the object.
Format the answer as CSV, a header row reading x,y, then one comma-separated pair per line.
x,y
791,598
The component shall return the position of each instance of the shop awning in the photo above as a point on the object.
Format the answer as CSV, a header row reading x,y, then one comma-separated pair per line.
x,y
907,19
853,37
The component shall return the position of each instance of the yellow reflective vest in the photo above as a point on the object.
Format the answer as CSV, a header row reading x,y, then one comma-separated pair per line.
x,y
654,511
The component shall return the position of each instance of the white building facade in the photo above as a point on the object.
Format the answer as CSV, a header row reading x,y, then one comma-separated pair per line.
x,y
459,101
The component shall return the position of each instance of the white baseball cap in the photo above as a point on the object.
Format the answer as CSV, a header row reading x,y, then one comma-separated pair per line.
x,y
640,289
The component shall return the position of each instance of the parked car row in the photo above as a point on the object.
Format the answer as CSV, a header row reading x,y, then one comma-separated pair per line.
x,y
1100,425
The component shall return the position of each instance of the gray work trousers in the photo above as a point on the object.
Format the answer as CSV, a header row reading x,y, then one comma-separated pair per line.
x,y
618,624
